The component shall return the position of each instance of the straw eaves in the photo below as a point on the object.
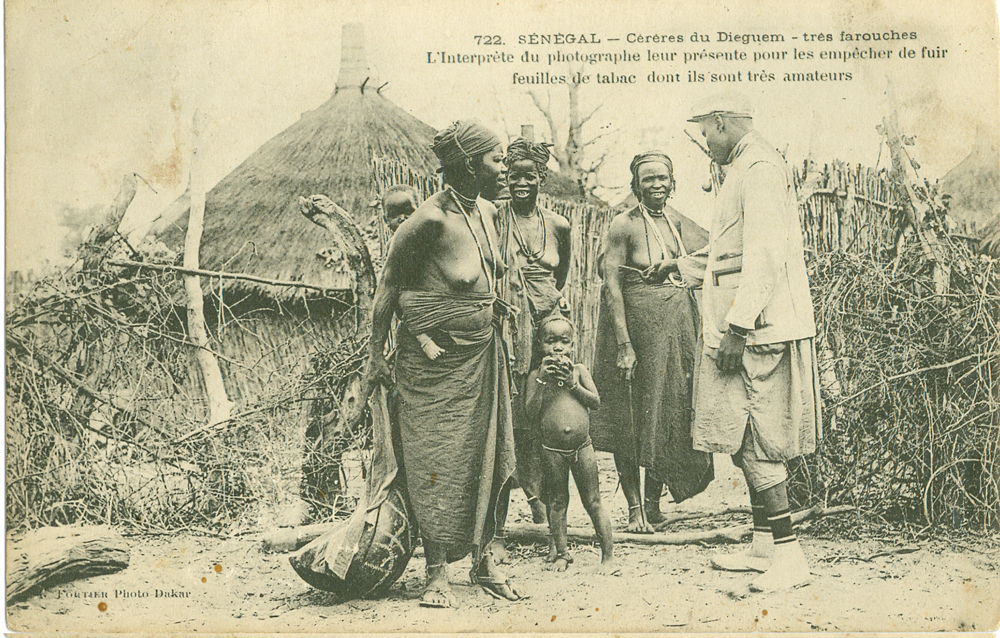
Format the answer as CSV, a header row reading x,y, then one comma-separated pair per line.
x,y
252,219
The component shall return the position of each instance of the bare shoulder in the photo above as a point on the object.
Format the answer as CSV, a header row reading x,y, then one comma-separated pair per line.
x,y
582,369
430,213
621,225
487,208
558,222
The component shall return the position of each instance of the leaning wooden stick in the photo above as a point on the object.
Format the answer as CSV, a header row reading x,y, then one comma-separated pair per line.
x,y
322,211
530,533
286,540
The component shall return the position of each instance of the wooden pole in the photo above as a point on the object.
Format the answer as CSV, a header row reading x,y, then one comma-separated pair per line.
x,y
220,407
532,533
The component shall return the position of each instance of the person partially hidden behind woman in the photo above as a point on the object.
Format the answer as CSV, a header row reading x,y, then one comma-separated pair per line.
x,y
559,394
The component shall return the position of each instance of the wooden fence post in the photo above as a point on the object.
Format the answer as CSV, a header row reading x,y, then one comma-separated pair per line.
x,y
220,407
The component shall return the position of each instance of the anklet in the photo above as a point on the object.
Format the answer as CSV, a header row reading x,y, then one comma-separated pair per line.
x,y
634,507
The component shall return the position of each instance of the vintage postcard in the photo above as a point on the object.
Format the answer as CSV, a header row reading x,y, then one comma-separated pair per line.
x,y
509,316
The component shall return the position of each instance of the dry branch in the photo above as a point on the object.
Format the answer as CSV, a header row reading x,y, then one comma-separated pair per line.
x,y
290,539
216,274
677,518
96,245
53,555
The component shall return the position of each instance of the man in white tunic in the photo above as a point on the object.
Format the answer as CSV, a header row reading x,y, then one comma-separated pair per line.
x,y
756,394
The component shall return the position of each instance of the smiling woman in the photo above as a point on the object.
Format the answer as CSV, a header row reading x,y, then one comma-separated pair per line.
x,y
535,246
644,358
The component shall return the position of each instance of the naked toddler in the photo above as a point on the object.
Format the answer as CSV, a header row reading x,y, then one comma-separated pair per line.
x,y
559,394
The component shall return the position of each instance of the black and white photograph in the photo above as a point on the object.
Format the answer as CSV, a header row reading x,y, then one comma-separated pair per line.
x,y
332,316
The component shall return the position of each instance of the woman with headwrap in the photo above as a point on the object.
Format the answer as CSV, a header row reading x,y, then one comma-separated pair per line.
x,y
646,337
440,279
535,246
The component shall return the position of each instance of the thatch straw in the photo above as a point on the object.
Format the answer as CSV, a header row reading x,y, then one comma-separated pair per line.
x,y
252,221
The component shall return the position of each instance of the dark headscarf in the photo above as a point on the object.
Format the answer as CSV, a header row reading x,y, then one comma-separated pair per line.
x,y
521,149
649,156
463,140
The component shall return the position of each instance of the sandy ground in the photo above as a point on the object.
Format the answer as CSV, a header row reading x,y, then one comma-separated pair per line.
x,y
206,584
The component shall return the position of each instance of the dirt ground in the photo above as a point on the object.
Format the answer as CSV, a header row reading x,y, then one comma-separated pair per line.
x,y
206,584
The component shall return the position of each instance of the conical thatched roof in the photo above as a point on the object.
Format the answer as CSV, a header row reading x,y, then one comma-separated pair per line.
x,y
254,211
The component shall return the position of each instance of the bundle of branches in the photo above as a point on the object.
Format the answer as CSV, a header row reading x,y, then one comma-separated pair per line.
x,y
106,411
911,380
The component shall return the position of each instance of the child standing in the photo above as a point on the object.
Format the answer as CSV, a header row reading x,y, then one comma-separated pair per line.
x,y
559,394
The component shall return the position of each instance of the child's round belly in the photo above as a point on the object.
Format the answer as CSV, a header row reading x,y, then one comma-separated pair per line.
x,y
565,424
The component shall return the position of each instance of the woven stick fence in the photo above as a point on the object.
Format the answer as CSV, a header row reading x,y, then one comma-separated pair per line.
x,y
106,412
583,283
850,208
910,372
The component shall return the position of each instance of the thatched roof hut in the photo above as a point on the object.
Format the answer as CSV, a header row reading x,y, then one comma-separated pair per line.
x,y
254,212
974,184
269,336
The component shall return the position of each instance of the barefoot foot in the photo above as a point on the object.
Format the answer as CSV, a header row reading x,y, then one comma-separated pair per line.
x,y
498,549
561,563
551,557
637,521
437,592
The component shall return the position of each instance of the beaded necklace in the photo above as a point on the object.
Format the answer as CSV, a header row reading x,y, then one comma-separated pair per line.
x,y
531,257
466,214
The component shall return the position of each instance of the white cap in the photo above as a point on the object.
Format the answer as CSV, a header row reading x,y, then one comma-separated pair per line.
x,y
731,104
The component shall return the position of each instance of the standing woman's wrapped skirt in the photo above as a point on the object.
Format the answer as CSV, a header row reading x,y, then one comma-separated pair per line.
x,y
454,417
663,328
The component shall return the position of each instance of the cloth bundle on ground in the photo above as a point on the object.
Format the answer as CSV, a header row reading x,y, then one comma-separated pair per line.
x,y
454,417
367,553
